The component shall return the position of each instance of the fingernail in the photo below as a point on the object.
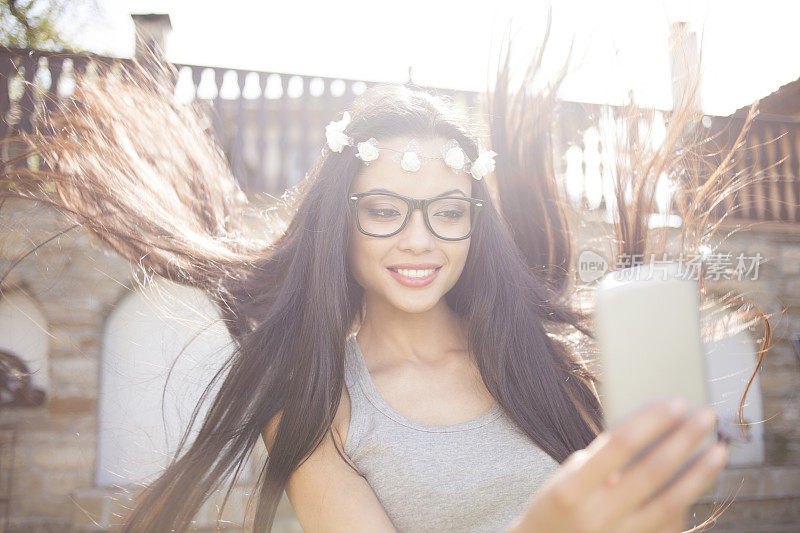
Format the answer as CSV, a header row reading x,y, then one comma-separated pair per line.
x,y
719,455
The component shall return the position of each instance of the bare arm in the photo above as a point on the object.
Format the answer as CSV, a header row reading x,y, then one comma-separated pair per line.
x,y
327,495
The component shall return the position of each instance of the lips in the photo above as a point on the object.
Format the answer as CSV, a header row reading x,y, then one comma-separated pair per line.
x,y
414,275
415,266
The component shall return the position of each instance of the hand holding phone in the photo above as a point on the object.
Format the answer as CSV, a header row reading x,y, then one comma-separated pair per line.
x,y
592,491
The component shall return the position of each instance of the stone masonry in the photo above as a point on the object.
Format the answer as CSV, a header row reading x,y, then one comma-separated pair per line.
x,y
76,280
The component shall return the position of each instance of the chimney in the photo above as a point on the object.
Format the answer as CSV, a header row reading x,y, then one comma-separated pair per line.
x,y
684,62
151,34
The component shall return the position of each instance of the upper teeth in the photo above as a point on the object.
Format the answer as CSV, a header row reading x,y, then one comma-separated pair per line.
x,y
414,273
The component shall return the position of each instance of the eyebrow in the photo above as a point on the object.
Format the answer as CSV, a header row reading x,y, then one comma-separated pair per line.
x,y
446,193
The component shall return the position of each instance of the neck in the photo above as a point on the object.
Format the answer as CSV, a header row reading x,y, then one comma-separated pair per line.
x,y
393,336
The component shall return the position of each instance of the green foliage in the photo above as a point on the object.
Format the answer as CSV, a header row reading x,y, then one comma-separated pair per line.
x,y
34,23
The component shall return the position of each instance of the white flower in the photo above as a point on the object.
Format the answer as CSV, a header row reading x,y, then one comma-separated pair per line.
x,y
334,133
483,164
368,150
455,158
410,161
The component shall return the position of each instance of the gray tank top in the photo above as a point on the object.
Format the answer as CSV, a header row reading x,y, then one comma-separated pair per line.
x,y
474,476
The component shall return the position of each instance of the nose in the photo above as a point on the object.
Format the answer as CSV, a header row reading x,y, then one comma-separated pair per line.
x,y
416,237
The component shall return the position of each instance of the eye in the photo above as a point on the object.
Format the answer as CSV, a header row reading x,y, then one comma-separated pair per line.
x,y
451,214
383,212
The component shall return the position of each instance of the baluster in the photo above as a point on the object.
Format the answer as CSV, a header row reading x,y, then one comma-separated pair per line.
x,y
239,134
261,178
786,177
56,66
6,72
283,132
727,204
751,167
305,113
197,75
791,151
79,66
739,198
560,159
760,189
603,205
218,116
777,211
29,63
312,135
348,93
589,173
328,109
585,200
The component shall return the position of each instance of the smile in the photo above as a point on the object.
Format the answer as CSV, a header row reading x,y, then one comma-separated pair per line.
x,y
411,277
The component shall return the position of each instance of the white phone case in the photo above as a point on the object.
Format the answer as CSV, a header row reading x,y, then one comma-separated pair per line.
x,y
647,322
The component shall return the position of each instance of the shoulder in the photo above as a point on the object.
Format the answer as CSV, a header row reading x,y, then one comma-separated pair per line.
x,y
341,420
339,427
328,493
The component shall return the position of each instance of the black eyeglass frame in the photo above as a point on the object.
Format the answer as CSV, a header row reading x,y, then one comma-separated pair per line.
x,y
413,205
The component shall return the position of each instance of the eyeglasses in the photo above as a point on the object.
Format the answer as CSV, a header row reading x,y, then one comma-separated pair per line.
x,y
383,214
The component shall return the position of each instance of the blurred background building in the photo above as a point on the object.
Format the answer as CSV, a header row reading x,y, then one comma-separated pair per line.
x,y
90,421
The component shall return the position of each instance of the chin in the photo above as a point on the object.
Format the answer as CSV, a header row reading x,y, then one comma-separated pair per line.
x,y
414,305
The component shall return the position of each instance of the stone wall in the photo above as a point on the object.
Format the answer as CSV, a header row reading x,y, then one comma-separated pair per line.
x,y
76,281
768,495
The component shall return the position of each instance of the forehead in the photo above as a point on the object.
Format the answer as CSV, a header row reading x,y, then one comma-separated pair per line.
x,y
433,178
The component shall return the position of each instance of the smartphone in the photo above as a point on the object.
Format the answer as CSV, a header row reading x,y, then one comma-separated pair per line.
x,y
647,324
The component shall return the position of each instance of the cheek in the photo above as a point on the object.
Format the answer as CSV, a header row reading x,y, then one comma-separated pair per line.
x,y
355,255
463,250
364,255
458,257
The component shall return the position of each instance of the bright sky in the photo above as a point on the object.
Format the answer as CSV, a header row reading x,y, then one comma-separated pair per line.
x,y
749,48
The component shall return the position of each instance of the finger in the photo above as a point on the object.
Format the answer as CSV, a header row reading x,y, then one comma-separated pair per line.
x,y
613,448
642,480
678,496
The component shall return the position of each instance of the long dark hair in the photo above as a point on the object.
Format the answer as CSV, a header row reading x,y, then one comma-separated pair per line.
x,y
141,172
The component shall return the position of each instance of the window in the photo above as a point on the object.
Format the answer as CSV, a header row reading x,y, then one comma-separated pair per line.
x,y
23,351
730,363
143,337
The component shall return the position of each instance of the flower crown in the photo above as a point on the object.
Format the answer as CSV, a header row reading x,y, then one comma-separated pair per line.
x,y
410,158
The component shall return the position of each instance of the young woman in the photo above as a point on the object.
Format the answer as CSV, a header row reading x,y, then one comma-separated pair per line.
x,y
397,346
